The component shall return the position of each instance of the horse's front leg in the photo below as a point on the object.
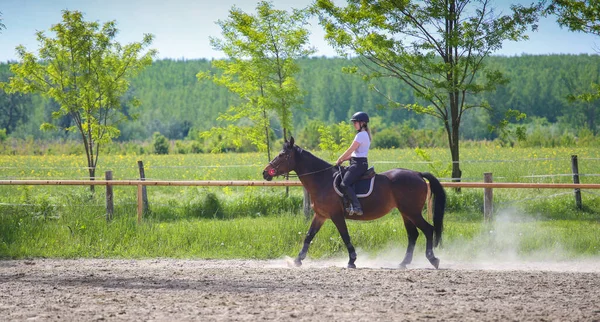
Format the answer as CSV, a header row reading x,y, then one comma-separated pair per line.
x,y
340,223
316,224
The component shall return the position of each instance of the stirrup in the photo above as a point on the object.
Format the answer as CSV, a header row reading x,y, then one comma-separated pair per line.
x,y
354,211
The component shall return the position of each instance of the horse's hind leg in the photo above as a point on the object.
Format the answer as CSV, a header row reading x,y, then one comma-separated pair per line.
x,y
340,223
316,224
427,229
413,234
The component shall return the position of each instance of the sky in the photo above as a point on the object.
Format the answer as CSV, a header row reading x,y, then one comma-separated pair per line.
x,y
182,27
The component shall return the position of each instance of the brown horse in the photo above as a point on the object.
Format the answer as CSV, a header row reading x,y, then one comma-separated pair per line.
x,y
396,188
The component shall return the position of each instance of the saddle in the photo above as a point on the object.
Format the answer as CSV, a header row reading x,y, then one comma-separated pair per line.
x,y
362,187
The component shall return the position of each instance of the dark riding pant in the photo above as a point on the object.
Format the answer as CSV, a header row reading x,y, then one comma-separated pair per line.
x,y
358,166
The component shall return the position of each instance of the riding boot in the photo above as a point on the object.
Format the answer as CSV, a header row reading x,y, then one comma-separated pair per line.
x,y
355,208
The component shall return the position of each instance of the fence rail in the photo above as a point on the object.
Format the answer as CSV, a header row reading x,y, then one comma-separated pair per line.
x,y
140,184
219,183
291,183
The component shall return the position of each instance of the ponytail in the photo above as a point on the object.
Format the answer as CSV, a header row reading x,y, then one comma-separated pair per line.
x,y
366,127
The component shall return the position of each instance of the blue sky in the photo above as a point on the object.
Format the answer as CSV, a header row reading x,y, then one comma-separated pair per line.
x,y
182,27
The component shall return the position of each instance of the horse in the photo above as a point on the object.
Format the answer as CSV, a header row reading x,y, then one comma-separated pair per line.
x,y
397,188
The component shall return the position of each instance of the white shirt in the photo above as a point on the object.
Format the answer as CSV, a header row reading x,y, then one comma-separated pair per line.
x,y
362,151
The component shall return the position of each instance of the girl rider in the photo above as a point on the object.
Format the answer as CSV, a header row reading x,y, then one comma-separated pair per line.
x,y
357,154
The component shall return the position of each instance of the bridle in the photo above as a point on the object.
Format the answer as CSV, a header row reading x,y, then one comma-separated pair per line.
x,y
275,165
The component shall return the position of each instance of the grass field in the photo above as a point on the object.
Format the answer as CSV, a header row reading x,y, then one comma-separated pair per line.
x,y
262,222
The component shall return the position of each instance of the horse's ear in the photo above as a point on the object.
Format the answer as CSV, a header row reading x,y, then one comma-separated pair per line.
x,y
291,140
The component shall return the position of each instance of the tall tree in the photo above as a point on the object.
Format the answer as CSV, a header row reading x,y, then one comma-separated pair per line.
x,y
580,16
261,66
437,47
86,72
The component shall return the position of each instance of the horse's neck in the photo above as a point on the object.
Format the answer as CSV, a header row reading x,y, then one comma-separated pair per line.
x,y
310,168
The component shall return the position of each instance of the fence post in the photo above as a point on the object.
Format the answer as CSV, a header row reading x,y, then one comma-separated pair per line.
x,y
306,204
575,169
109,196
488,197
144,196
140,211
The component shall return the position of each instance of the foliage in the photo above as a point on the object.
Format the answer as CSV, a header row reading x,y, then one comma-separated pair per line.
x,y
160,143
436,47
188,146
434,165
260,70
539,87
387,139
15,108
335,138
581,16
86,72
577,15
309,137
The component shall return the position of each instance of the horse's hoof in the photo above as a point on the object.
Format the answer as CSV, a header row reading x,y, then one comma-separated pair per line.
x,y
351,266
402,266
435,262
297,263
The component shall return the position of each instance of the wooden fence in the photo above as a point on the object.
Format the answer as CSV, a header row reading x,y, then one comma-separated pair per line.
x,y
140,184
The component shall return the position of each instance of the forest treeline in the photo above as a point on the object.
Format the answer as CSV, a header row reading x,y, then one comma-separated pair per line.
x,y
176,104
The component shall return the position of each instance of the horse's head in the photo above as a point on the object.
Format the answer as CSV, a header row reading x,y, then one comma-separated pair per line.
x,y
283,163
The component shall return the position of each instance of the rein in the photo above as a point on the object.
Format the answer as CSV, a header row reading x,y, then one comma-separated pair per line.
x,y
306,174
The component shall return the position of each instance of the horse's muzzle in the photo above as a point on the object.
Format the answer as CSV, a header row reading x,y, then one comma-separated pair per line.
x,y
267,176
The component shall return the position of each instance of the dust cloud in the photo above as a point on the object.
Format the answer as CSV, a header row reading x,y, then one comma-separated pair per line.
x,y
497,246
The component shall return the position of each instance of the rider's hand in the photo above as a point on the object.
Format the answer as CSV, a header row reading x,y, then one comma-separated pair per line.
x,y
339,161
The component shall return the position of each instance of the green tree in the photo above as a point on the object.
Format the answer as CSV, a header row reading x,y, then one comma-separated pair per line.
x,y
576,15
14,108
436,47
335,138
580,16
86,72
160,143
260,69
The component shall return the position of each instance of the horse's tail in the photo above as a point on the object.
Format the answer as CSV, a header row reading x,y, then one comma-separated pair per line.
x,y
439,201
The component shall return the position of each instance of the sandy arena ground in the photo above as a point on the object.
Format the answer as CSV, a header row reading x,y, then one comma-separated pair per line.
x,y
239,290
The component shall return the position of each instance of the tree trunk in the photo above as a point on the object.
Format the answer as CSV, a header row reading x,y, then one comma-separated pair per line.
x,y
92,171
91,164
267,135
453,95
456,172
455,138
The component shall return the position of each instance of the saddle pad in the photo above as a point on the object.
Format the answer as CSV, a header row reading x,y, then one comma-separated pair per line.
x,y
362,187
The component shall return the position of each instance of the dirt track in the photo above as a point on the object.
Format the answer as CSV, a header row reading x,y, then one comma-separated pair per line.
x,y
168,289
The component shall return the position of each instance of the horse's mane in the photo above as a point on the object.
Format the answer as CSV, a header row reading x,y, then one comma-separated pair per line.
x,y
318,162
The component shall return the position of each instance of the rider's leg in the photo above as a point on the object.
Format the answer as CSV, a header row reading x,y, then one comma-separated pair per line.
x,y
355,170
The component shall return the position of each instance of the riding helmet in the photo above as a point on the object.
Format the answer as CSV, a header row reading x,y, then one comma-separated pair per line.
x,y
360,116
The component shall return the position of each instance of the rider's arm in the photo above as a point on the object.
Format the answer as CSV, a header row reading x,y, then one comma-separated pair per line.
x,y
346,155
